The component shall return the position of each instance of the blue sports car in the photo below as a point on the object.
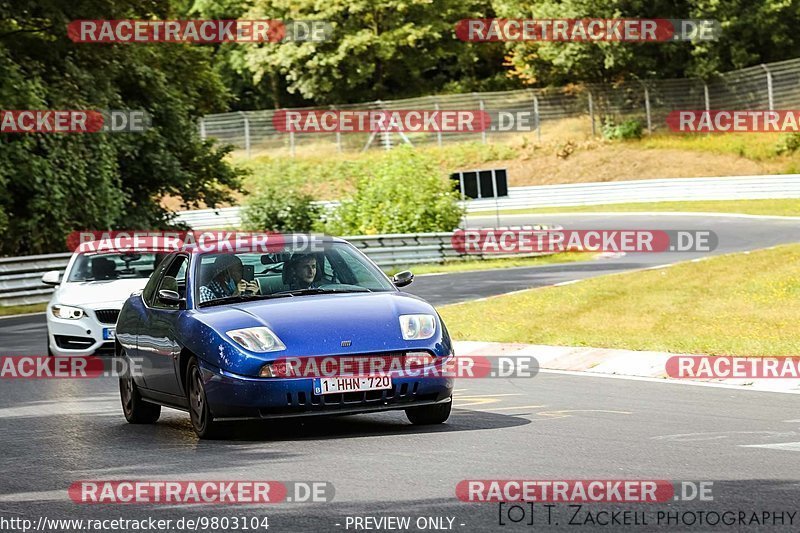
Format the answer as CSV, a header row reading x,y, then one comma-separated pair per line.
x,y
211,333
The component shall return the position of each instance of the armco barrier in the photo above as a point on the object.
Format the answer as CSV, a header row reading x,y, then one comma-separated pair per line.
x,y
20,277
573,194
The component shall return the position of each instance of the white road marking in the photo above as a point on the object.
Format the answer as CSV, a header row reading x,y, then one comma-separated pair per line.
x,y
570,282
41,496
786,446
23,314
664,381
515,407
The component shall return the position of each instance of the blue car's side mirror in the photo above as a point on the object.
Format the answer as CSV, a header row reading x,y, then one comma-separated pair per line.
x,y
401,279
168,297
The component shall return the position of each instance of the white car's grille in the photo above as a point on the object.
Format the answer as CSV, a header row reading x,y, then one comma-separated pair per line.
x,y
107,316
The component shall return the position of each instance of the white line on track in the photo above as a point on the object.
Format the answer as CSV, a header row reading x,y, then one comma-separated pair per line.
x,y
664,381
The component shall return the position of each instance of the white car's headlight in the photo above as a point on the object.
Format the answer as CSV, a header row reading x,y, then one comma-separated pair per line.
x,y
259,339
68,312
417,327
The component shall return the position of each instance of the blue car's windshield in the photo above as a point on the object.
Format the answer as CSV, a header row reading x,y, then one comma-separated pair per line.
x,y
338,267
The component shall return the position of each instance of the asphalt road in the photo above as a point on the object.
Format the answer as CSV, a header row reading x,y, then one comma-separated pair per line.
x,y
552,426
548,427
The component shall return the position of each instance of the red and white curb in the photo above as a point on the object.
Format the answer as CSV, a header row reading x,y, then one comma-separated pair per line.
x,y
609,362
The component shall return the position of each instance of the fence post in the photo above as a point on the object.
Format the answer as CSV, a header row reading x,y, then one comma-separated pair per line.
x,y
705,93
438,130
338,136
647,110
203,128
291,144
769,86
591,113
536,117
246,133
483,125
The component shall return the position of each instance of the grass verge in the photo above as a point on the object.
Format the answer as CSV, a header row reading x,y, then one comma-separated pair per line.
x,y
22,309
781,207
492,264
741,304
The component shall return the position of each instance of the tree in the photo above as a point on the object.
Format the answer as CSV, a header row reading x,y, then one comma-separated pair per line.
x,y
379,49
544,63
51,184
753,32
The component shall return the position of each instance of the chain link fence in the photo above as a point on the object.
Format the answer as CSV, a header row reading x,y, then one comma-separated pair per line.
x,y
569,111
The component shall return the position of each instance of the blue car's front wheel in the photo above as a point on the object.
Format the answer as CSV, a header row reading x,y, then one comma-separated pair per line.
x,y
199,411
430,414
136,410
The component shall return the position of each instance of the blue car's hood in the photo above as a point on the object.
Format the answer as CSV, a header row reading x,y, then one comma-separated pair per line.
x,y
317,324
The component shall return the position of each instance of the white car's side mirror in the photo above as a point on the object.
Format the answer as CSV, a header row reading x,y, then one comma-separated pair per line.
x,y
52,278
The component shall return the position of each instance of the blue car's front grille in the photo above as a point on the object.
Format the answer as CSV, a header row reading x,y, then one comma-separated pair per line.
x,y
301,402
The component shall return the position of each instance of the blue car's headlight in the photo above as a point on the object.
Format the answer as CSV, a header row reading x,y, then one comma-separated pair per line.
x,y
417,327
258,339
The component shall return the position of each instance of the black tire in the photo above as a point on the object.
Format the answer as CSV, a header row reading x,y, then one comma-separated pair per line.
x,y
136,410
202,420
430,414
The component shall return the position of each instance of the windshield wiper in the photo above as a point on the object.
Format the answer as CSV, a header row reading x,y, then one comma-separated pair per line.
x,y
235,298
317,290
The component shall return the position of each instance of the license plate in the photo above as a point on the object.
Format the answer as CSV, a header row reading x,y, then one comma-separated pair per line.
x,y
109,333
345,384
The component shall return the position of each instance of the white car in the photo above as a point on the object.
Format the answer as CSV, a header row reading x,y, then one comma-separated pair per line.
x,y
82,314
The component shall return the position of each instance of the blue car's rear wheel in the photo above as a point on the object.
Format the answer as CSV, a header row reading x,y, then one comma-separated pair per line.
x,y
136,410
430,414
199,411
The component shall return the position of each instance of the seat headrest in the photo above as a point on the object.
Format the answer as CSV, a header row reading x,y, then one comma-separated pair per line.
x,y
103,268
169,283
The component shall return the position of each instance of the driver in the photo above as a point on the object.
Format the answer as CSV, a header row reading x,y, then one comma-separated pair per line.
x,y
227,280
302,272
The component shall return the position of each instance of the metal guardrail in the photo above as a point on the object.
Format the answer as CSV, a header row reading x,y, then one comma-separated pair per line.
x,y
656,190
20,277
573,194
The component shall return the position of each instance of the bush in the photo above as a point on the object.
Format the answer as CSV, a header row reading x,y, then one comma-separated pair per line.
x,y
788,144
630,129
275,209
405,192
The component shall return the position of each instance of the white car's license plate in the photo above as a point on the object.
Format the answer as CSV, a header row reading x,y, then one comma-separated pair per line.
x,y
109,333
351,384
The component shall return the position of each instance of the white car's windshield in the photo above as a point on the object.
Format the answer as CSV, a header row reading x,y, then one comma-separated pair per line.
x,y
103,267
